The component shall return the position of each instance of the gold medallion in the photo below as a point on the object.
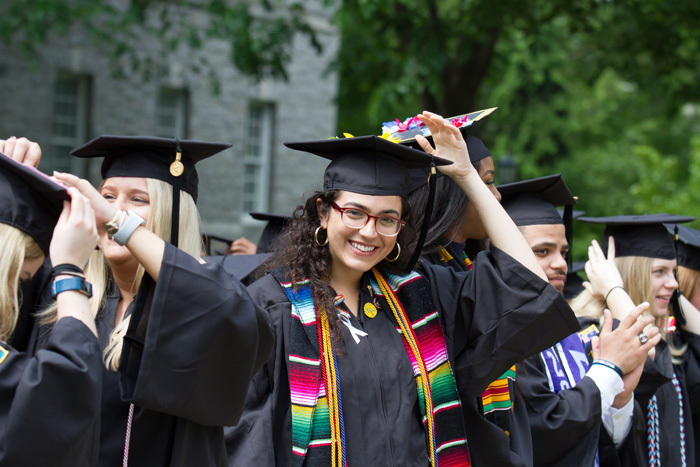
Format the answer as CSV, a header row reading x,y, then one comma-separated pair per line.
x,y
176,168
370,310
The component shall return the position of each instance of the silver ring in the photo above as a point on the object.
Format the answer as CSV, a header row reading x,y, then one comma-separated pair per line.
x,y
643,338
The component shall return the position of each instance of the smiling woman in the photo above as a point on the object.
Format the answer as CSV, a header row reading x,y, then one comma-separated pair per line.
x,y
371,363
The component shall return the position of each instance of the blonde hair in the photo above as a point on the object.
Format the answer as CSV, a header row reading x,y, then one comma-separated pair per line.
x,y
97,271
16,247
636,279
688,280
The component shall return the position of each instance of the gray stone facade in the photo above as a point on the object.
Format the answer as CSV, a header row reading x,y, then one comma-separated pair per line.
x,y
304,109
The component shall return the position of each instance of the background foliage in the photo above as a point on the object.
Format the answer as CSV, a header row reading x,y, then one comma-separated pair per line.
x,y
603,91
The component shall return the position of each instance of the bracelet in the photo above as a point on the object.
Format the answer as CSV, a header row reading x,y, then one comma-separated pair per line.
x,y
610,365
68,270
72,283
610,291
113,226
127,228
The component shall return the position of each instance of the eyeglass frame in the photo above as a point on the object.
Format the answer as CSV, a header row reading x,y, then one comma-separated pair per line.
x,y
401,222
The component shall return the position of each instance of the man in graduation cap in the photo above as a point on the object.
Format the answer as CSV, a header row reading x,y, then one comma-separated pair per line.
x,y
574,414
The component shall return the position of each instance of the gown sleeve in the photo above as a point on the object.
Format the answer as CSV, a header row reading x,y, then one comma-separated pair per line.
x,y
494,316
196,345
50,402
263,436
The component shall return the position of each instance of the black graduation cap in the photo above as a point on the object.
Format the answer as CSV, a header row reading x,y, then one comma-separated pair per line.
x,y
167,159
643,235
533,202
688,245
30,200
275,225
369,165
372,165
151,157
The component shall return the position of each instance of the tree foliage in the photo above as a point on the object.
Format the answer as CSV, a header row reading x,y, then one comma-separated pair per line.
x,y
603,91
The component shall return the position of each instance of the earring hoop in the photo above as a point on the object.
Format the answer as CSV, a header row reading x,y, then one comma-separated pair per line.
x,y
397,254
316,237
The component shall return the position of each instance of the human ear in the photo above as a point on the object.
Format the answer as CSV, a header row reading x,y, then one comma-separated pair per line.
x,y
322,212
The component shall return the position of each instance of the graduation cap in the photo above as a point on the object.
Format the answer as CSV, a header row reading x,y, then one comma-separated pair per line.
x,y
30,200
534,201
643,235
688,244
405,132
275,225
371,165
166,159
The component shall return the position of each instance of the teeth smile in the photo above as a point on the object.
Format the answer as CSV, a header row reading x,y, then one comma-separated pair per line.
x,y
363,247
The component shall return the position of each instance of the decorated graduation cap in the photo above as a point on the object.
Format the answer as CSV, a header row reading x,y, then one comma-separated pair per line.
x,y
643,235
371,165
688,243
30,200
167,159
275,225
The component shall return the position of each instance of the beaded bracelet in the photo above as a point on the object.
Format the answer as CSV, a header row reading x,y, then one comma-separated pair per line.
x,y
609,364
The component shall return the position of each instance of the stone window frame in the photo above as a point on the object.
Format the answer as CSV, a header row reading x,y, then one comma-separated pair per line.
x,y
70,125
172,109
257,158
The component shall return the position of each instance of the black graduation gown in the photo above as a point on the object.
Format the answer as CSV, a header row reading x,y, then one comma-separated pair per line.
x,y
50,402
656,380
518,313
242,267
692,378
567,428
203,341
489,444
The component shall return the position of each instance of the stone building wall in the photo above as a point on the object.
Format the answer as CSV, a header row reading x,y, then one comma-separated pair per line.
x,y
304,109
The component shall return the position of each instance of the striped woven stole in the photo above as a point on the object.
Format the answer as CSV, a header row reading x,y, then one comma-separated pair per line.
x,y
317,428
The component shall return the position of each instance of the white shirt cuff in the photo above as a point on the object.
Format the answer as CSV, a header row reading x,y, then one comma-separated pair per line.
x,y
616,422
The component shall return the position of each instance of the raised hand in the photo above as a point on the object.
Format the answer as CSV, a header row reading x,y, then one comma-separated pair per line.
x,y
22,150
602,272
625,346
449,144
103,209
75,234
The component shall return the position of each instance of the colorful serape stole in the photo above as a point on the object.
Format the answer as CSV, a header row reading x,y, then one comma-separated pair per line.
x,y
425,345
317,415
496,401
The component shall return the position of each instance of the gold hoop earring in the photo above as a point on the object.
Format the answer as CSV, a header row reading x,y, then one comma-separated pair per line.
x,y
316,237
397,254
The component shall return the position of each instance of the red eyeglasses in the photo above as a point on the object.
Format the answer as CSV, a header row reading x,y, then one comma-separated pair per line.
x,y
357,218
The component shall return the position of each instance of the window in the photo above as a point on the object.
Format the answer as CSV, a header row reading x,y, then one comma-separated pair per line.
x,y
171,113
256,160
71,117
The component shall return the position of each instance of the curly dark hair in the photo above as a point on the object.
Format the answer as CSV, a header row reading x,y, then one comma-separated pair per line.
x,y
299,256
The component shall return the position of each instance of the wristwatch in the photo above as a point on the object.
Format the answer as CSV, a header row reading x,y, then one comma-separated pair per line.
x,y
72,283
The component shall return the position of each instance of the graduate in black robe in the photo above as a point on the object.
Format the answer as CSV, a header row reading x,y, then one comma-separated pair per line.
x,y
500,433
194,338
489,317
49,402
645,249
579,409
